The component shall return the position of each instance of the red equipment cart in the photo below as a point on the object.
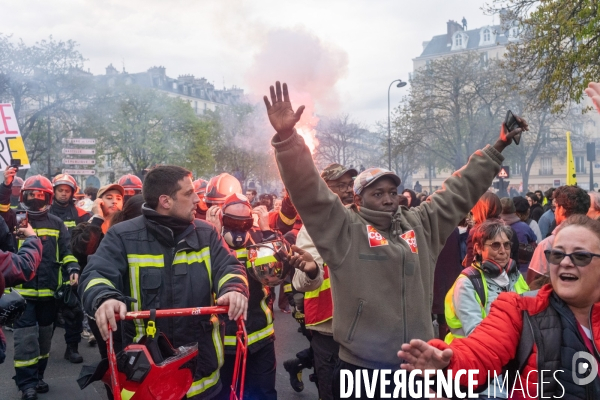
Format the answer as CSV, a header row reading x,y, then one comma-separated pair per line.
x,y
117,379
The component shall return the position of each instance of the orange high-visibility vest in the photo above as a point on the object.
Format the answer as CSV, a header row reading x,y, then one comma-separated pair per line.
x,y
318,304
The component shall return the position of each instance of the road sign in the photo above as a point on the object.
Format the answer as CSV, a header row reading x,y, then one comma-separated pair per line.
x,y
79,171
80,141
78,161
79,151
504,172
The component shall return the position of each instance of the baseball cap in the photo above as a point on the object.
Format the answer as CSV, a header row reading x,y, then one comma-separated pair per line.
x,y
335,171
106,188
368,176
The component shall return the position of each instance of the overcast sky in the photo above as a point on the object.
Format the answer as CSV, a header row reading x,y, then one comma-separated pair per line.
x,y
341,54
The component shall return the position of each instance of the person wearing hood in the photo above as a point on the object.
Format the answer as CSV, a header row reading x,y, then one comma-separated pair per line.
x,y
522,209
238,230
526,236
381,257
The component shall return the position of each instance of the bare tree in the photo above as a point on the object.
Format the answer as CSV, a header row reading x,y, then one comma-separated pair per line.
x,y
456,107
342,141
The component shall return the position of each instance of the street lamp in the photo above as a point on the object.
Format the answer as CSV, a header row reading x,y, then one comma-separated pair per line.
x,y
400,84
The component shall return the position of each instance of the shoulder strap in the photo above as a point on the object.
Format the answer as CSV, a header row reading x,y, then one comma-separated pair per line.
x,y
474,276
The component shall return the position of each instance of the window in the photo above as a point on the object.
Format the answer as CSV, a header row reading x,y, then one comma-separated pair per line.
x,y
515,168
175,85
486,35
483,57
458,41
580,165
546,166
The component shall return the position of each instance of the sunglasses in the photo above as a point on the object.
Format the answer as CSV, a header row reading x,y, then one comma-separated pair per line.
x,y
496,245
579,258
237,223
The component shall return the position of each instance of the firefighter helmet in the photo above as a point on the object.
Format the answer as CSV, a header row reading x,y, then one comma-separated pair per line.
x,y
269,262
200,189
18,182
153,369
130,181
12,306
221,186
65,179
37,183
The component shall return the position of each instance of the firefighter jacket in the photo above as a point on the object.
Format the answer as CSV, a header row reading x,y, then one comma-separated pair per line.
x,y
141,259
57,259
259,324
21,267
70,215
381,264
8,213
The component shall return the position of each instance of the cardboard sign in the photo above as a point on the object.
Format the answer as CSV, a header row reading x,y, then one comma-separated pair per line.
x,y
411,240
375,238
11,142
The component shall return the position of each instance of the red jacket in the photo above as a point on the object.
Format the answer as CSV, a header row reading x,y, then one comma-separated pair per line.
x,y
489,349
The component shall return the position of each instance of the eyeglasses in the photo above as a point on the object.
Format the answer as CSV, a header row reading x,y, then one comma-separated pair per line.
x,y
579,258
496,245
342,186
237,223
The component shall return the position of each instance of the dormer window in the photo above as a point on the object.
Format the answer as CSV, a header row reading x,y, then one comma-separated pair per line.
x,y
459,41
487,36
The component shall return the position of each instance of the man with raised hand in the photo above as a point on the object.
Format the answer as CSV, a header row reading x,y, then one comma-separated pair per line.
x,y
381,257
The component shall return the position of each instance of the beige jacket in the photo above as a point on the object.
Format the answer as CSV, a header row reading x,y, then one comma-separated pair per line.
x,y
381,265
303,283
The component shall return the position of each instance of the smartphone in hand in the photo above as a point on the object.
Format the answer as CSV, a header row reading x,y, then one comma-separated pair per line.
x,y
22,222
511,123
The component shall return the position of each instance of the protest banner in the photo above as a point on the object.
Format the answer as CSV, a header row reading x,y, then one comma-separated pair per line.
x,y
11,142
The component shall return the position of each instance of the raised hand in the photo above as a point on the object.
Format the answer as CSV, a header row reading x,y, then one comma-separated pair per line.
x,y
304,261
506,137
281,115
419,355
593,91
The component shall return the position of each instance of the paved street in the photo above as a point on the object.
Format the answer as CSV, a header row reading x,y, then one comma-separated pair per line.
x,y
61,374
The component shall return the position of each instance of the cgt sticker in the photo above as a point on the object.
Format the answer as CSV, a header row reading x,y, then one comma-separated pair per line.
x,y
375,238
411,240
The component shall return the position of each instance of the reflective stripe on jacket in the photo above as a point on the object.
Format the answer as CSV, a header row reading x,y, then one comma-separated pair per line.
x,y
140,258
318,304
464,309
259,324
55,254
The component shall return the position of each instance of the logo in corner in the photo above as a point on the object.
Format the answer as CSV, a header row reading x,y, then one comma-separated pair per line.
x,y
375,238
411,240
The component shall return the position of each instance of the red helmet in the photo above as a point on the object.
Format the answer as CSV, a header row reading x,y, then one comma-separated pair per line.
x,y
37,183
200,186
221,186
18,182
65,179
130,181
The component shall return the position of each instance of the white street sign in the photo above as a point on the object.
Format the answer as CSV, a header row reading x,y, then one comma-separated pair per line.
x,y
78,161
79,151
79,171
80,141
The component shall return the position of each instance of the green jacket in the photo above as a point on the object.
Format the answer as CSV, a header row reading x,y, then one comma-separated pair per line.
x,y
382,293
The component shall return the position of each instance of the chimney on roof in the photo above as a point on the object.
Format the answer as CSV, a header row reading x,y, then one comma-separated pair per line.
x,y
453,27
110,70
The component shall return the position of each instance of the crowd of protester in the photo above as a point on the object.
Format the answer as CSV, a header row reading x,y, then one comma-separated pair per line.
x,y
377,277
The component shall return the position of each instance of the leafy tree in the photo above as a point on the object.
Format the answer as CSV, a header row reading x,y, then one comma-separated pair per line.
x,y
143,127
558,48
46,85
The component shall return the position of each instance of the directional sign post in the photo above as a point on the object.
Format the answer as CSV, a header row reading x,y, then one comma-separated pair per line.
x,y
79,171
504,172
80,141
78,161
79,151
